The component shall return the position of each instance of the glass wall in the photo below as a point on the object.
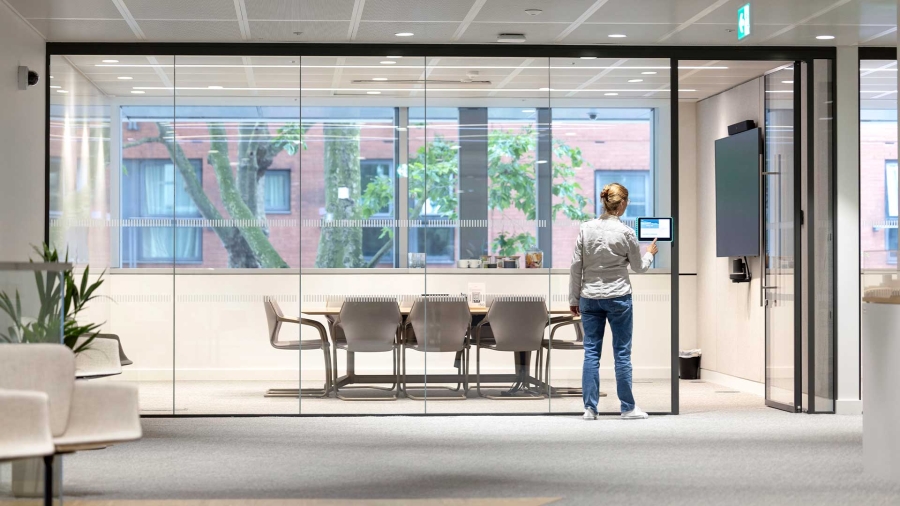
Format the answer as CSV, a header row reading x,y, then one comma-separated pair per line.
x,y
276,225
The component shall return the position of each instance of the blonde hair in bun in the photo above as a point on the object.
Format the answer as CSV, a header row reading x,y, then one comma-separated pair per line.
x,y
612,197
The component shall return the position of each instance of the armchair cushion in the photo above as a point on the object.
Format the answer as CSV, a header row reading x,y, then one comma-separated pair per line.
x,y
48,368
25,423
103,413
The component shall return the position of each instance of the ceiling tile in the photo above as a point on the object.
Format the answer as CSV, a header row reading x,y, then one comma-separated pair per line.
x,y
862,13
288,10
424,32
513,11
845,35
650,11
719,34
192,31
637,34
82,9
182,9
534,33
71,30
283,31
769,12
416,10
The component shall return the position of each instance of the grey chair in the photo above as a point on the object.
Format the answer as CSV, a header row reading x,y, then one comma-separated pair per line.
x,y
550,344
517,324
275,318
368,325
438,325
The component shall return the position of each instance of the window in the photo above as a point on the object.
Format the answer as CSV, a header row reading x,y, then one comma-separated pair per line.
x,y
638,184
152,190
376,238
891,208
278,191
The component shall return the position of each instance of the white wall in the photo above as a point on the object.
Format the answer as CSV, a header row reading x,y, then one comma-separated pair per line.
x,y
687,225
730,320
21,139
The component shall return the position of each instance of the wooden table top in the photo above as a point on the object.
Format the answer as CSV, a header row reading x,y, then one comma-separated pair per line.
x,y
404,310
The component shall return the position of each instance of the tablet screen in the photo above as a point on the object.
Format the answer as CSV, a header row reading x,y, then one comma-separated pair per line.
x,y
660,229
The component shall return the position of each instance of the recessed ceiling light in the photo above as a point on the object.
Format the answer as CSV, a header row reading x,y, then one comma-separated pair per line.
x,y
373,93
404,34
617,36
394,57
588,57
125,78
788,82
138,92
55,87
611,94
635,80
388,62
649,73
51,77
533,12
824,37
528,111
61,91
216,87
379,78
110,61
546,89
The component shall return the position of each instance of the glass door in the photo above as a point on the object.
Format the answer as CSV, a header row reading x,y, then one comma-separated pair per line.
x,y
780,237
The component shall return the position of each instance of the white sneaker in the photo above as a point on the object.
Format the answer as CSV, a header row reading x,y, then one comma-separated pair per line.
x,y
635,414
589,414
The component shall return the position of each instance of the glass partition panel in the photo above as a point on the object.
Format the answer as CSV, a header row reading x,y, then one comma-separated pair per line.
x,y
111,212
233,176
610,124
359,176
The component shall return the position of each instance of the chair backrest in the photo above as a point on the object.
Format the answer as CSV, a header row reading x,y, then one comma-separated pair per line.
x,y
440,323
48,368
334,300
370,323
273,318
518,322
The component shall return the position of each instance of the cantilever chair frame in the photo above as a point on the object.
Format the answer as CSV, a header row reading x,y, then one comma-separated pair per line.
x,y
395,352
297,345
464,367
557,323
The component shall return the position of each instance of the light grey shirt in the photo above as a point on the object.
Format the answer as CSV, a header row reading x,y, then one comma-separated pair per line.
x,y
603,251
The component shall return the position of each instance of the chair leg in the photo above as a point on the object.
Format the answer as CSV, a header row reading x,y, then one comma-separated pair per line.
x,y
478,371
48,480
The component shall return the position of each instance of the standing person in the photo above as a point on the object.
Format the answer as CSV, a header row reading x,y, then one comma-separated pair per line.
x,y
600,290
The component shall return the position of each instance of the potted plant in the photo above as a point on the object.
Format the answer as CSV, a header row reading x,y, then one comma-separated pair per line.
x,y
46,326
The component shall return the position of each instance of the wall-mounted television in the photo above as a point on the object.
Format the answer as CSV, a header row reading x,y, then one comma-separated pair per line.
x,y
737,194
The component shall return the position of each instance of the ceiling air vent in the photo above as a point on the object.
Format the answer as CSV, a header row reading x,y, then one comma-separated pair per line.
x,y
511,37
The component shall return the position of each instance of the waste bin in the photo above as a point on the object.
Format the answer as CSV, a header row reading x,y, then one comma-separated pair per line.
x,y
690,367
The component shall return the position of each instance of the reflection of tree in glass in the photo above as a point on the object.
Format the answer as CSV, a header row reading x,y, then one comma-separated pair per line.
x,y
511,171
242,190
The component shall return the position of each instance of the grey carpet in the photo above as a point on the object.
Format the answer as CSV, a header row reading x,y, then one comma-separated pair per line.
x,y
747,457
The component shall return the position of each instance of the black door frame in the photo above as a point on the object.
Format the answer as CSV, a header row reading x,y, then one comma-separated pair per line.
x,y
805,54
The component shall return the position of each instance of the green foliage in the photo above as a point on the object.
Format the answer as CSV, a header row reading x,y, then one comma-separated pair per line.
x,y
46,327
291,138
511,173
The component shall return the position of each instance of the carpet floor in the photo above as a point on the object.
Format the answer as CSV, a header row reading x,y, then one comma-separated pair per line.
x,y
739,457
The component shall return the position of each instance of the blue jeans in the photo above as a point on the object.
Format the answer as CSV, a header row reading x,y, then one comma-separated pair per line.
x,y
594,313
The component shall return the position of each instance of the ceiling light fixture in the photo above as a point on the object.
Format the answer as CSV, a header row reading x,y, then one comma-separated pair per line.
x,y
138,92
379,78
51,77
611,94
545,89
388,62
650,73
61,91
635,80
824,37
125,78
787,82
110,61
617,36
533,12
216,87
528,111
588,57
513,38
373,93
404,34
393,57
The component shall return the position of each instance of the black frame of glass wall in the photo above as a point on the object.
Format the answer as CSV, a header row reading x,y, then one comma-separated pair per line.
x,y
674,53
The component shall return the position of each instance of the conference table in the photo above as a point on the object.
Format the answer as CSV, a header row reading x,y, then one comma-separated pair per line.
x,y
520,379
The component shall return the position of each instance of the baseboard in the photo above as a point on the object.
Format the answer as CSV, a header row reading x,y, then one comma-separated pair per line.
x,y
848,407
739,384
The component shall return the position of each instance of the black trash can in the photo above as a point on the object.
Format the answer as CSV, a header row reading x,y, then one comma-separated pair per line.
x,y
690,368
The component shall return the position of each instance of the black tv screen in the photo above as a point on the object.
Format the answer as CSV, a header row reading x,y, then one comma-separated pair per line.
x,y
737,194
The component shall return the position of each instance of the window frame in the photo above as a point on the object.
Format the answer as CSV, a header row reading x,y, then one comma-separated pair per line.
x,y
649,189
290,204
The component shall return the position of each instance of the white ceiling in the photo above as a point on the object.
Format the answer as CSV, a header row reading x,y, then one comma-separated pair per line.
x,y
682,22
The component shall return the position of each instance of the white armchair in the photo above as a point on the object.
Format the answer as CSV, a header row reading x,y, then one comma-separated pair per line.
x,y
82,415
25,419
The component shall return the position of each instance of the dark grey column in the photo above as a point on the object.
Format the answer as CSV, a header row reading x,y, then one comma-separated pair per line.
x,y
473,182
544,185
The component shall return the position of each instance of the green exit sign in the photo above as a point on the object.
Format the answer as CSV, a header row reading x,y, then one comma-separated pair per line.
x,y
743,21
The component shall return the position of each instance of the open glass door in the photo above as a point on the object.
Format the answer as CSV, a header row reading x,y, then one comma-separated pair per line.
x,y
780,237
